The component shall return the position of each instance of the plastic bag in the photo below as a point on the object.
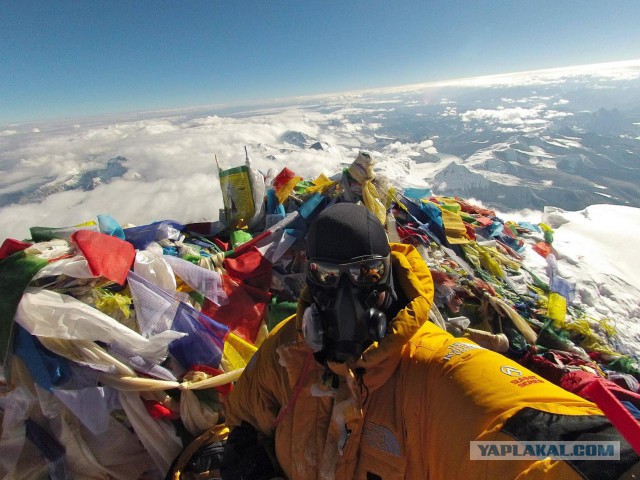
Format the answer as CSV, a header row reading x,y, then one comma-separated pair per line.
x,y
50,314
155,269
237,196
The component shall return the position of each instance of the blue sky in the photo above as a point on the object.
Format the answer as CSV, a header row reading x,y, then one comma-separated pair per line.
x,y
63,59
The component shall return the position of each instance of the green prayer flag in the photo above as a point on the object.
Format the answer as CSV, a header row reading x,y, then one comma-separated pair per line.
x,y
16,271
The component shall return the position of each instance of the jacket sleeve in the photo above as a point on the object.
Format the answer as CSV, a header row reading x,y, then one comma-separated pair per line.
x,y
458,393
415,278
255,399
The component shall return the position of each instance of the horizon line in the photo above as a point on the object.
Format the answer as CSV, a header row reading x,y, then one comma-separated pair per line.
x,y
473,81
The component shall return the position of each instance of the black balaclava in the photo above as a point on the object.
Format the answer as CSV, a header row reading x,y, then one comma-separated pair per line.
x,y
345,319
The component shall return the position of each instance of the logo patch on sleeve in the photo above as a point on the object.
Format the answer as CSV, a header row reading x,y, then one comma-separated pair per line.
x,y
459,348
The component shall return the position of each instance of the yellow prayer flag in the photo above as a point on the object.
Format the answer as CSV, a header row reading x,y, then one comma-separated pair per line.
x,y
557,307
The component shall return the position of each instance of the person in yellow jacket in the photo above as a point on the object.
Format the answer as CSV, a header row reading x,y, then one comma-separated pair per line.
x,y
360,385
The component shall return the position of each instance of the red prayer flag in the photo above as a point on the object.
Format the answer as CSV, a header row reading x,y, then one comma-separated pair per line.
x,y
471,232
283,178
621,418
157,410
245,311
543,248
508,232
251,268
11,246
108,256
484,221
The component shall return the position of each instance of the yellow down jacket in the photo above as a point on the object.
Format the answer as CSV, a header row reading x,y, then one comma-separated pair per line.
x,y
409,408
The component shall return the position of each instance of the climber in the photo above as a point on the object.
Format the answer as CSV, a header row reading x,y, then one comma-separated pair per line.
x,y
360,385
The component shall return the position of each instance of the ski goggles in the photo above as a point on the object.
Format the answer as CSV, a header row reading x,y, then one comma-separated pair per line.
x,y
363,272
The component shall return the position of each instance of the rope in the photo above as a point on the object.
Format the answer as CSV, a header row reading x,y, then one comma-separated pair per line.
x,y
296,390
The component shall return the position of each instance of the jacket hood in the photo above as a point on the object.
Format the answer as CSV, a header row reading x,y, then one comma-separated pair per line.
x,y
381,359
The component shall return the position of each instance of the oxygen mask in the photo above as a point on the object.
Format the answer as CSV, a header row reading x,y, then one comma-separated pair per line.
x,y
346,315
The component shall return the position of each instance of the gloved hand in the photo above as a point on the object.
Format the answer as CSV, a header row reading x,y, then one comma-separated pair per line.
x,y
249,456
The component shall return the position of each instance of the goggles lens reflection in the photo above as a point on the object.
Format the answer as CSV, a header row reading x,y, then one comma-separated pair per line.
x,y
365,272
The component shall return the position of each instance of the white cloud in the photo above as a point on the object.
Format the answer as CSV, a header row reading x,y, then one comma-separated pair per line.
x,y
508,116
549,114
171,160
627,70
449,112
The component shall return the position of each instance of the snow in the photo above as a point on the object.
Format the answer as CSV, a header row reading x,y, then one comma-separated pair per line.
x,y
597,249
607,234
